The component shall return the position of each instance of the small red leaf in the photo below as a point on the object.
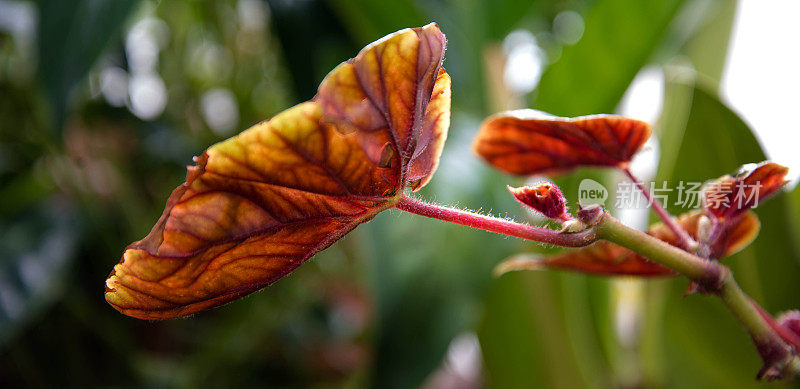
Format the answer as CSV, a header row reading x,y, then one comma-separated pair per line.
x,y
258,205
524,142
544,197
606,258
734,237
728,196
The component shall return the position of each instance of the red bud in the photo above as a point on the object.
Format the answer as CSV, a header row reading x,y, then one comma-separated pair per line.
x,y
544,197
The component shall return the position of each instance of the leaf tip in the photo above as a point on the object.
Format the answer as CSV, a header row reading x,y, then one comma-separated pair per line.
x,y
115,293
729,196
517,263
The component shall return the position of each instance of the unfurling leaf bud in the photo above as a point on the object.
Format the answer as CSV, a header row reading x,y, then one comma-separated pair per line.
x,y
544,197
591,214
727,197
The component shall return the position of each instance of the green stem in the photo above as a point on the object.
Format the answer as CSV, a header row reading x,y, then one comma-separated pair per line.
x,y
713,277
700,270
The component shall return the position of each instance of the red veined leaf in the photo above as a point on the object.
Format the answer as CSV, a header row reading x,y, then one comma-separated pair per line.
x,y
728,196
526,142
606,258
258,205
601,258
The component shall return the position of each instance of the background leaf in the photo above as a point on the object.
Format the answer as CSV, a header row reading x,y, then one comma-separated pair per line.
x,y
73,34
532,331
591,76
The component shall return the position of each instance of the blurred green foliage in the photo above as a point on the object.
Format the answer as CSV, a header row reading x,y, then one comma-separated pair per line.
x,y
100,112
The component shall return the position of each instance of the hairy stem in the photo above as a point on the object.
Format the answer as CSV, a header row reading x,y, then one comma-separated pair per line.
x,y
497,225
686,241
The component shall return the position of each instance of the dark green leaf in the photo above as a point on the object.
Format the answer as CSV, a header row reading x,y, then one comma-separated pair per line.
x,y
591,76
368,19
544,329
426,292
72,34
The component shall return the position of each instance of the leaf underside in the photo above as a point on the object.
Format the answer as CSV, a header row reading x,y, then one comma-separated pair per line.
x,y
258,205
524,142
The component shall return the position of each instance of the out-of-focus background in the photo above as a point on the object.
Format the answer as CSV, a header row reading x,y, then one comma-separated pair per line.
x,y
103,103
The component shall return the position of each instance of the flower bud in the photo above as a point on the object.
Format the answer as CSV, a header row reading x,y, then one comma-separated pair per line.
x,y
544,197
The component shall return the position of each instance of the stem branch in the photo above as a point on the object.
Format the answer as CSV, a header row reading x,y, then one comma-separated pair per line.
x,y
686,241
705,272
778,356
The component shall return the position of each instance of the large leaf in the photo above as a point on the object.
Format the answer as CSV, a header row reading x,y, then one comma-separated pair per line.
x,y
260,204
591,76
527,143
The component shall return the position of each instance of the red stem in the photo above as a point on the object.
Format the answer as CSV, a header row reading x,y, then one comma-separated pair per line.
x,y
497,225
686,242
